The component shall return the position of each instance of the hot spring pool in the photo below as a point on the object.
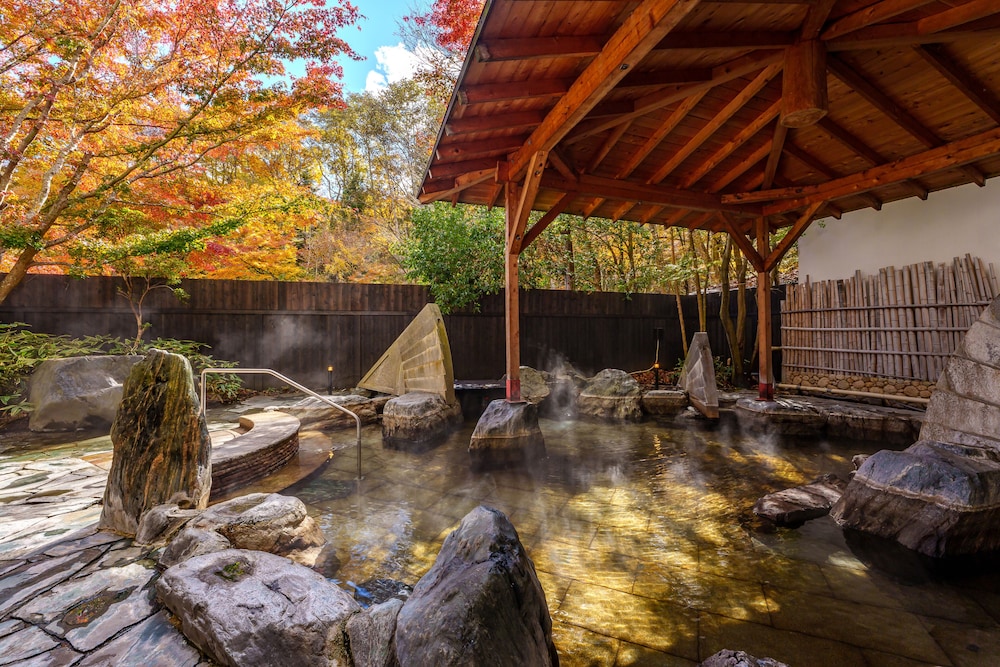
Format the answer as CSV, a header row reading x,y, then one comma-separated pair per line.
x,y
643,538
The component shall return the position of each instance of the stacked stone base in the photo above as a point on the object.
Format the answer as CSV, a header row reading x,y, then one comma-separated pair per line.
x,y
872,385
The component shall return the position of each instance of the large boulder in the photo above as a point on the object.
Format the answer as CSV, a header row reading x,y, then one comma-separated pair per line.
x,y
260,521
941,496
611,394
253,608
161,444
934,498
480,603
77,393
418,420
507,434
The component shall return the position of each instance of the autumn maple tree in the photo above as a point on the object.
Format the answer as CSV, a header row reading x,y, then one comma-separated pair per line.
x,y
110,111
440,38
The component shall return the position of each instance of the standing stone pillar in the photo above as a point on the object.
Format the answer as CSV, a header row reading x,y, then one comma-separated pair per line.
x,y
161,444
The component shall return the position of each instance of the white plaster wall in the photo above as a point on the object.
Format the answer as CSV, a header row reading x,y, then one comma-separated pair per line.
x,y
949,224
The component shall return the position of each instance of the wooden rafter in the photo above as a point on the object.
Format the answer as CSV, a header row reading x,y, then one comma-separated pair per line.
x,y
777,147
530,89
890,108
645,26
824,171
559,162
460,151
870,15
746,133
717,121
865,151
473,124
909,34
741,167
608,188
660,133
931,161
730,71
980,95
733,226
610,142
816,18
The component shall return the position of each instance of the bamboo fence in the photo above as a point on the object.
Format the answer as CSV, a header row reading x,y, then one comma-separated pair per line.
x,y
901,323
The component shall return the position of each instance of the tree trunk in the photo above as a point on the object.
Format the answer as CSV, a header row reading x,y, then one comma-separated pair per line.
x,y
570,277
698,287
17,272
735,351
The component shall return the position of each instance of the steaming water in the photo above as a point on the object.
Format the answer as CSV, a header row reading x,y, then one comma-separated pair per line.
x,y
644,541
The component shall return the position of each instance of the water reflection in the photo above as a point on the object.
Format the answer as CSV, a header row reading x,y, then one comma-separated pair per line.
x,y
645,544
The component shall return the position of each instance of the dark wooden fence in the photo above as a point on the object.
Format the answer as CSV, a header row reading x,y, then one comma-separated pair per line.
x,y
300,329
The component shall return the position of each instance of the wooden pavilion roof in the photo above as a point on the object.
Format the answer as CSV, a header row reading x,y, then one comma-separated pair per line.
x,y
671,111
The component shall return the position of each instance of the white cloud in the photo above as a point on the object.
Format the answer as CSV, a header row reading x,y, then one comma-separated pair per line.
x,y
395,63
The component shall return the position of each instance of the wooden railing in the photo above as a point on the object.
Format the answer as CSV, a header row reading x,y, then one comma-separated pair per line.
x,y
901,323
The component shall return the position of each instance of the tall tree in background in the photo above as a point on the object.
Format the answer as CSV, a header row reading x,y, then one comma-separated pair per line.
x,y
104,106
440,39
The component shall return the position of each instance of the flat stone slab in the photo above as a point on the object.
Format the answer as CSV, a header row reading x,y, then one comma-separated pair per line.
x,y
664,402
784,416
795,506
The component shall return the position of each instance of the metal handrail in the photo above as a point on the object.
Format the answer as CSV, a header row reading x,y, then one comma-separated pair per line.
x,y
288,381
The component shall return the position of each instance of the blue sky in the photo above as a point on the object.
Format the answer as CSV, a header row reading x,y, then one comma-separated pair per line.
x,y
376,38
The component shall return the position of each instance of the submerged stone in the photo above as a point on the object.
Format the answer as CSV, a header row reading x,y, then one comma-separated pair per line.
x,y
792,507
506,434
730,658
417,420
254,608
480,603
611,394
161,444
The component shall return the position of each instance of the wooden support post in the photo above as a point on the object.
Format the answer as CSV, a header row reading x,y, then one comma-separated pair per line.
x,y
803,96
765,383
511,302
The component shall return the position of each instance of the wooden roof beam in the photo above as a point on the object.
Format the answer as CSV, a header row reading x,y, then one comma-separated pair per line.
x,y
816,18
647,104
521,90
608,188
734,227
746,133
454,151
666,127
865,151
546,220
777,147
452,169
890,108
491,123
942,158
644,27
958,15
587,46
825,172
871,15
466,180
742,167
908,34
978,93
609,142
800,225
716,123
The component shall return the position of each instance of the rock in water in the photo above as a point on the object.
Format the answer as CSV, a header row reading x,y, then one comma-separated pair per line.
x,y
941,496
611,394
506,434
792,507
255,608
418,420
728,658
480,603
161,444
